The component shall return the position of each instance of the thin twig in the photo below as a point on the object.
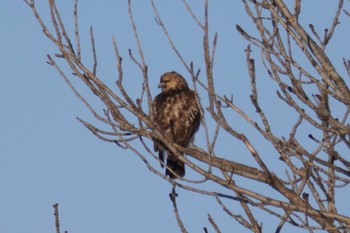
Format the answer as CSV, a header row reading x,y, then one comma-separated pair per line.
x,y
192,14
94,68
173,195
57,218
212,222
76,30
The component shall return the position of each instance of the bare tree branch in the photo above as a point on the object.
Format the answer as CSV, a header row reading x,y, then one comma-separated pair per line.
x,y
312,155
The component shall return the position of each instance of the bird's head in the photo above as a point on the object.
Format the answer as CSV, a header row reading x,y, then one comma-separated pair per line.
x,y
172,81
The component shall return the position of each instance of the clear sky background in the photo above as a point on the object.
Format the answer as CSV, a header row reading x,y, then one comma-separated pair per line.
x,y
47,156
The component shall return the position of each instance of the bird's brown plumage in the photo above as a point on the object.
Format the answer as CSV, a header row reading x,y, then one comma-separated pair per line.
x,y
177,114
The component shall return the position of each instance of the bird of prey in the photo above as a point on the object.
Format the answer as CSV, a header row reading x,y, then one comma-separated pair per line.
x,y
177,114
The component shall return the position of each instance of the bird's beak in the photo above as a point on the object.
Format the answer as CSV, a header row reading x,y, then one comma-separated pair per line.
x,y
161,85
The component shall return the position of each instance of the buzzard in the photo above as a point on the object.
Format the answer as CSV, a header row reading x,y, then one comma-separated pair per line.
x,y
177,114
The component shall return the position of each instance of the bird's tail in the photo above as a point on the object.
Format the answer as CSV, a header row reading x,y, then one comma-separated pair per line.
x,y
174,165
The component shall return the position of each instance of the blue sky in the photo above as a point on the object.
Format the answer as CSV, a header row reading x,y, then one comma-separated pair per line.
x,y
47,156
